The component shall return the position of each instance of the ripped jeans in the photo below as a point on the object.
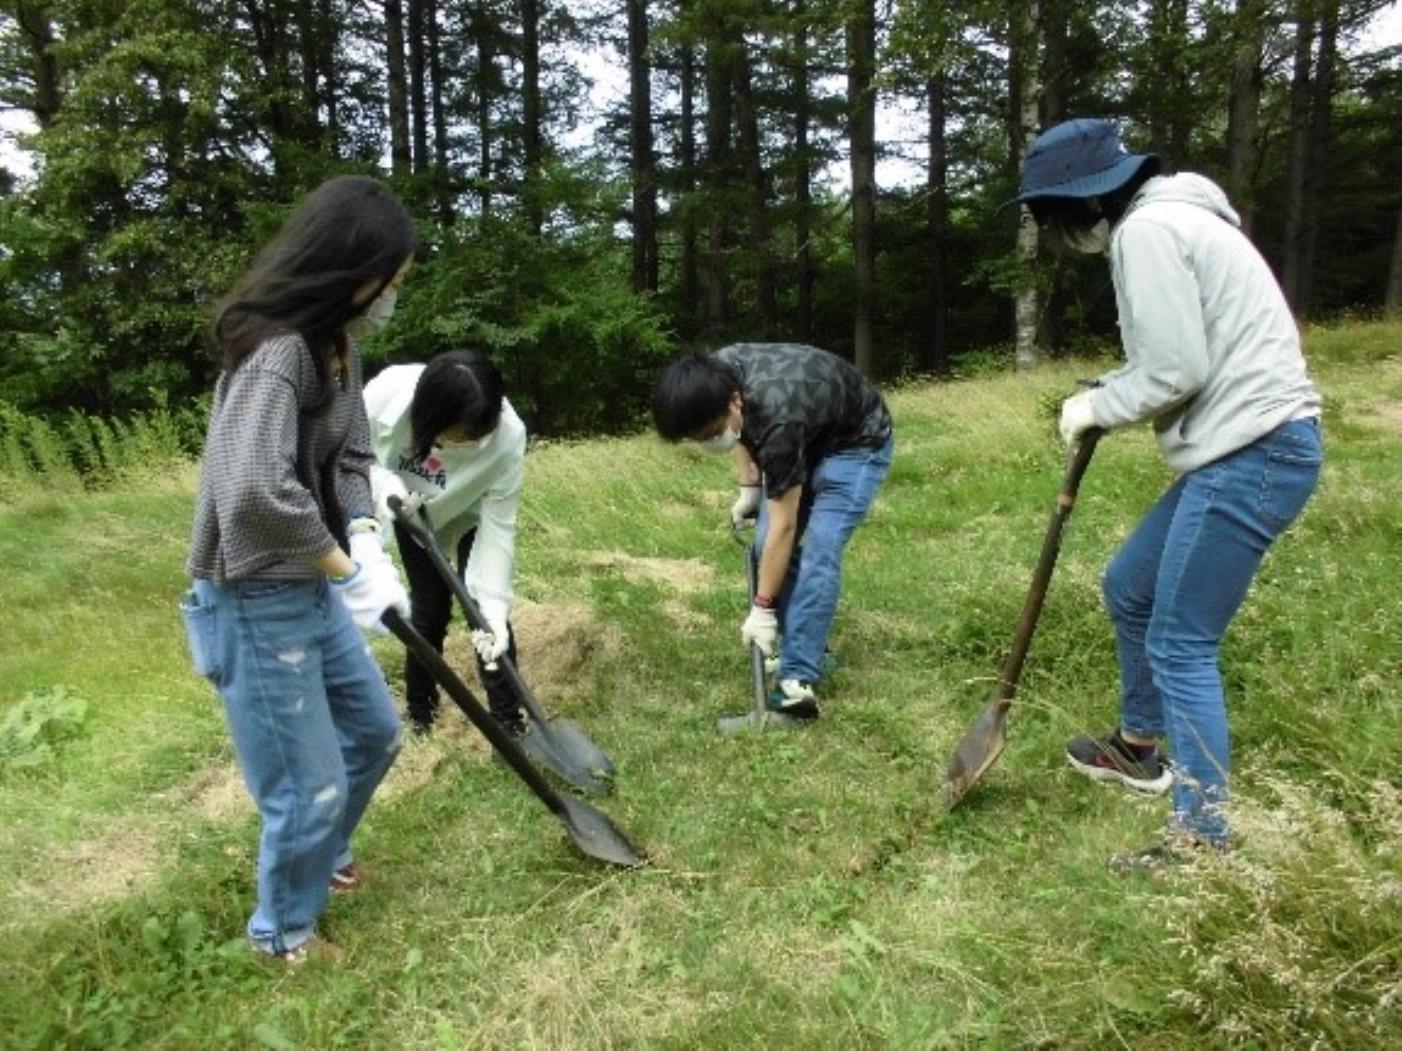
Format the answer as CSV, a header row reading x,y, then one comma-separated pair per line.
x,y
313,727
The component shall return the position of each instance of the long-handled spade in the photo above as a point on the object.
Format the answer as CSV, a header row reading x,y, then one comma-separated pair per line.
x,y
556,742
983,742
592,831
759,717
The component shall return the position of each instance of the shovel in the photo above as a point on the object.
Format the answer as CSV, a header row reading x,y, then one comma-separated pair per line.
x,y
983,742
759,717
592,832
557,743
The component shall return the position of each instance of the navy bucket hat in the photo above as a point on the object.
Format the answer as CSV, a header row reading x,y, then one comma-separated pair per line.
x,y
1078,158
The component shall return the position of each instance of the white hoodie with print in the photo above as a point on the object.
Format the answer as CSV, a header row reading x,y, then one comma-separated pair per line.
x,y
475,486
1213,351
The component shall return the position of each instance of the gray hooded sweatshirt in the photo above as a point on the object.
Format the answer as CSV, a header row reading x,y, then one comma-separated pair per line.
x,y
1213,352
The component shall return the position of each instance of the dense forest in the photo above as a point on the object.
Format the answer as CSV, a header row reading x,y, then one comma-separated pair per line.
x,y
730,193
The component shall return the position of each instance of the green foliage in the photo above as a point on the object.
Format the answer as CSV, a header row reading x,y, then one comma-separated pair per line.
x,y
30,730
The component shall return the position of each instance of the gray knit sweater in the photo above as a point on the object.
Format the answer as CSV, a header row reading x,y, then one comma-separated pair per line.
x,y
278,483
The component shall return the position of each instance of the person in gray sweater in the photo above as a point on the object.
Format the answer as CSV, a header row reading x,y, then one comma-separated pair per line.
x,y
286,555
1213,360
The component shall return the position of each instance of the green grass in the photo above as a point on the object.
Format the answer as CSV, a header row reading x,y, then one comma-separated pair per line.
x,y
806,890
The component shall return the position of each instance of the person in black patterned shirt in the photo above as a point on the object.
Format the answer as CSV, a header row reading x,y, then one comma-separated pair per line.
x,y
813,437
286,555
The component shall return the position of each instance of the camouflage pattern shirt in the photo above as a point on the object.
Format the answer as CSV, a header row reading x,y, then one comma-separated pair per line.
x,y
802,404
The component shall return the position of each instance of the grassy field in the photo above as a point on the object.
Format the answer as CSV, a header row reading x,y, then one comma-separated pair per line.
x,y
805,890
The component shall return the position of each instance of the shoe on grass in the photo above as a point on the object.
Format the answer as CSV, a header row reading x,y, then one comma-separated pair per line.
x,y
1112,758
795,699
313,949
346,878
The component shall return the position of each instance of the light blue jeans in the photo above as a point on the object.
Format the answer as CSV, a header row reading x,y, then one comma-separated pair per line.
x,y
1173,588
313,727
836,497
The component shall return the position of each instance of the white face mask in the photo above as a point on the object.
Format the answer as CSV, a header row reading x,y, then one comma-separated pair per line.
x,y
722,442
1094,241
376,316
465,445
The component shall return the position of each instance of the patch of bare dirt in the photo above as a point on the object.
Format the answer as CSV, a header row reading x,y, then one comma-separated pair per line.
x,y
684,575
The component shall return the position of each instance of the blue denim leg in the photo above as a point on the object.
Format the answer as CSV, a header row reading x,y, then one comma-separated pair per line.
x,y
838,495
1128,587
313,728
1227,516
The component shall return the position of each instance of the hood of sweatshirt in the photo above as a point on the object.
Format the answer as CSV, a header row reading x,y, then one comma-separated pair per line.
x,y
1186,188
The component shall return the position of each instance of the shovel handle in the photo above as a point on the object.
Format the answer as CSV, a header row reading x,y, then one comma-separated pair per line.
x,y
425,538
1077,462
502,741
756,654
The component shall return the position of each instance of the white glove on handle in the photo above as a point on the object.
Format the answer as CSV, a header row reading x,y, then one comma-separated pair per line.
x,y
1077,416
761,628
373,588
745,507
492,644
388,485
367,547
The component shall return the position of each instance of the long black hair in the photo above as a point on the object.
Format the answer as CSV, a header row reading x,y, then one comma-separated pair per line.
x,y
349,231
458,388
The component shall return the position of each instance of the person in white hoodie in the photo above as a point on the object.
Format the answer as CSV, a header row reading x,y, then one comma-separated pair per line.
x,y
446,439
1213,360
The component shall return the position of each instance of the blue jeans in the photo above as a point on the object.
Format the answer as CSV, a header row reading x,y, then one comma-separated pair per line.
x,y
313,727
836,497
1173,588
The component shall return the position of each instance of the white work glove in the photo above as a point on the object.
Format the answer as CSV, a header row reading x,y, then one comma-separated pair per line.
x,y
391,485
1077,416
492,644
761,628
366,544
372,588
745,507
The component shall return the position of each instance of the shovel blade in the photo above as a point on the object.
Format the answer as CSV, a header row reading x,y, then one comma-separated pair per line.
x,y
542,746
596,835
570,742
756,722
977,750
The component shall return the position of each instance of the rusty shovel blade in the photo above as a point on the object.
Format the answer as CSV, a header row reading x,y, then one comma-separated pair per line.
x,y
977,750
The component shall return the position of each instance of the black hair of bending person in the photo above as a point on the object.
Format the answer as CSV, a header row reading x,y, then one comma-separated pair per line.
x,y
458,388
1064,217
692,393
348,231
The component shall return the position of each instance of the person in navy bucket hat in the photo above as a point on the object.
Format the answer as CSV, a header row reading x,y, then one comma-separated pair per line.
x,y
1213,359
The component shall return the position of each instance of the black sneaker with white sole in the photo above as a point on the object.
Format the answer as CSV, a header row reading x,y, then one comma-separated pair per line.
x,y
1112,758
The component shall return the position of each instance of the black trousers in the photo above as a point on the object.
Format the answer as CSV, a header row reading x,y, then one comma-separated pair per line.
x,y
432,607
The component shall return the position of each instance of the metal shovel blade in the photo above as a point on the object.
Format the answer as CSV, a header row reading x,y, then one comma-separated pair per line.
x,y
595,835
756,722
977,750
545,743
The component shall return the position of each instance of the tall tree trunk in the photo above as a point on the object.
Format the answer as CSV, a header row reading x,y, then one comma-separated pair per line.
x,y
756,193
935,344
400,157
1244,108
1022,61
861,105
442,190
38,31
1300,157
690,271
530,111
330,81
643,165
309,48
418,92
482,32
718,164
1392,304
1056,84
803,177
1321,133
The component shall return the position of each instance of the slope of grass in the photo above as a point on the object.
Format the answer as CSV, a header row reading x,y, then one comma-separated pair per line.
x,y
806,890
